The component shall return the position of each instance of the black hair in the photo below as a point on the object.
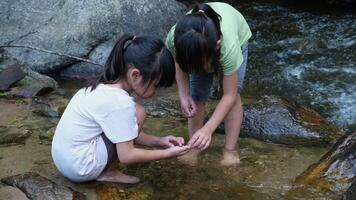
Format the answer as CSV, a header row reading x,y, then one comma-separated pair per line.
x,y
195,38
147,54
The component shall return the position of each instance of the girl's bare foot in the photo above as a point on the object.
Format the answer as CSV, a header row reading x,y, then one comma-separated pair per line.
x,y
190,158
117,177
230,158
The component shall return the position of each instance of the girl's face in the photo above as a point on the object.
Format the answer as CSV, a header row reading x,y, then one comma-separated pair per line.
x,y
145,90
141,89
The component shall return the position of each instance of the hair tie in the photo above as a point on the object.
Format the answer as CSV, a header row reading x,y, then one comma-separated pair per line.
x,y
128,42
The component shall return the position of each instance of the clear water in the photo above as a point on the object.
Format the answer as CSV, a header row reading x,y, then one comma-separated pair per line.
x,y
307,57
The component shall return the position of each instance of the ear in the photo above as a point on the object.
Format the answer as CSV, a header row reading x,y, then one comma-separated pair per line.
x,y
218,44
135,74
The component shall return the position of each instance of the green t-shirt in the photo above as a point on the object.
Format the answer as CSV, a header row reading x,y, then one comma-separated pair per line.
x,y
235,33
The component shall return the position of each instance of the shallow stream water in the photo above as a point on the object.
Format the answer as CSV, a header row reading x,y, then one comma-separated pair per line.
x,y
304,51
296,52
267,170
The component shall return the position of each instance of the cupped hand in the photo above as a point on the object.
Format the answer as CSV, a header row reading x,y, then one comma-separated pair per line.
x,y
200,140
171,141
178,150
188,106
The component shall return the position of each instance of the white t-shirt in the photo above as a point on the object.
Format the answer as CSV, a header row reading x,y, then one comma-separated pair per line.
x,y
78,150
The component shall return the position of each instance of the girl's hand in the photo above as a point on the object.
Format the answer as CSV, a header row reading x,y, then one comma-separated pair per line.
x,y
178,150
171,141
201,139
188,106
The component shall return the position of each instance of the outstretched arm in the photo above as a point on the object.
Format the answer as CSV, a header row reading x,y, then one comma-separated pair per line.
x,y
154,141
129,154
201,139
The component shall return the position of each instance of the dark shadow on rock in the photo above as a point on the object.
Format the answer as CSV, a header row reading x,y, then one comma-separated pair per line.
x,y
10,76
37,187
351,192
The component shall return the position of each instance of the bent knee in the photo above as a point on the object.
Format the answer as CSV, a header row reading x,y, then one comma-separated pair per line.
x,y
140,114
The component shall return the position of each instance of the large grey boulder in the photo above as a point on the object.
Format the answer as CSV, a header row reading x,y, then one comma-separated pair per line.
x,y
49,29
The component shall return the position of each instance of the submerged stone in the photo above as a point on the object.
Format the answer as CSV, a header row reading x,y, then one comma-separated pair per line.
x,y
334,172
108,192
37,187
162,107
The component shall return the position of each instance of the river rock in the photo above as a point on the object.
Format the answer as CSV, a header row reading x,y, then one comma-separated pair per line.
x,y
12,193
37,187
334,172
45,32
269,119
282,122
162,107
10,76
48,135
34,84
275,120
52,106
9,136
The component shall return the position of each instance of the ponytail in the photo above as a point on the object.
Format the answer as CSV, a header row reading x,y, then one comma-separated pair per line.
x,y
206,10
147,54
114,68
195,39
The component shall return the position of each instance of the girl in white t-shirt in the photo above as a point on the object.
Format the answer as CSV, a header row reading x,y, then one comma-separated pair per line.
x,y
102,122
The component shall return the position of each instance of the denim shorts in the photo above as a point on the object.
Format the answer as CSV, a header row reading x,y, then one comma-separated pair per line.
x,y
200,84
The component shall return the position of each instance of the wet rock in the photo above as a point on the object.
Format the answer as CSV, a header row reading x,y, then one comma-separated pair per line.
x,y
334,172
76,27
34,84
38,188
12,193
272,119
351,192
48,135
269,119
10,76
162,107
52,106
9,136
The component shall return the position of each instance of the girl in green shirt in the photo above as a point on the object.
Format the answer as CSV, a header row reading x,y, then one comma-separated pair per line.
x,y
211,38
